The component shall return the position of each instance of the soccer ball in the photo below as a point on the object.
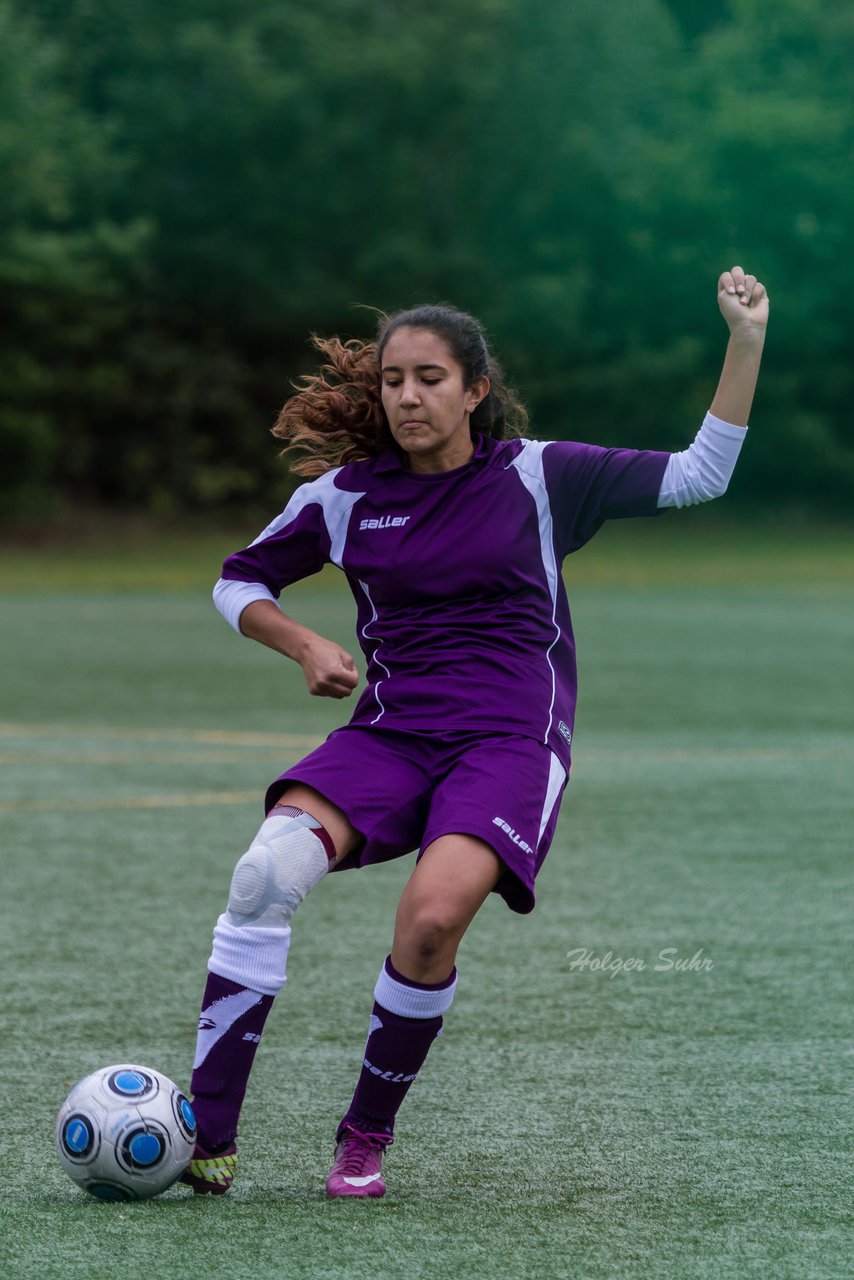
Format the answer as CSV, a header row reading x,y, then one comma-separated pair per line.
x,y
125,1133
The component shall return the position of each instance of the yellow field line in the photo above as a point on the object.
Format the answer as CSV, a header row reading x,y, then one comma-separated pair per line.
x,y
211,737
193,799
197,759
286,744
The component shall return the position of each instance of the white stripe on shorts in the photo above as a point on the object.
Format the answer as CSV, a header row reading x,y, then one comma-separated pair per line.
x,y
557,777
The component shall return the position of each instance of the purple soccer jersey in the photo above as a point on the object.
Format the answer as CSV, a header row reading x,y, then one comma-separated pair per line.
x,y
461,610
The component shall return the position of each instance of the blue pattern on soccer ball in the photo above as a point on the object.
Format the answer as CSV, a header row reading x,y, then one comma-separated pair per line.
x,y
77,1135
189,1115
145,1148
130,1082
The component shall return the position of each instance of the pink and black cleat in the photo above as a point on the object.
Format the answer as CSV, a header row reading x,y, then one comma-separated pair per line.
x,y
357,1170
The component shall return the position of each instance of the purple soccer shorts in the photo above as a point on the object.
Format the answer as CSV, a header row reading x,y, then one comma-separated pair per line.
x,y
401,791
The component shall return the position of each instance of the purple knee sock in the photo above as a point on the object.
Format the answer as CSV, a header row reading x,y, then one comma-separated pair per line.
x,y
398,1043
230,1027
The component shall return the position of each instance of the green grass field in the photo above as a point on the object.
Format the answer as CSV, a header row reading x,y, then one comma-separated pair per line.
x,y
577,1122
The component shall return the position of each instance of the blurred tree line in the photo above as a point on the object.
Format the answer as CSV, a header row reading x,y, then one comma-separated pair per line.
x,y
187,190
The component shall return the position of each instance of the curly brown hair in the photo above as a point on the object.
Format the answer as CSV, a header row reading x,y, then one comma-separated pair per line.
x,y
336,415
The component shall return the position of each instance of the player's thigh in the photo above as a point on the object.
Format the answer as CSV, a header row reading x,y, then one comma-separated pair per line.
x,y
343,834
505,791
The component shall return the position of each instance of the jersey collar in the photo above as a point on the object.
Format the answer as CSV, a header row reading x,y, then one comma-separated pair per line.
x,y
391,460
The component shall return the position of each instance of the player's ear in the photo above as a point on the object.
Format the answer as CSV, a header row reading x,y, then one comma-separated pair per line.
x,y
478,391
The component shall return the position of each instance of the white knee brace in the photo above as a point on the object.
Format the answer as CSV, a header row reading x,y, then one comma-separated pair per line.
x,y
285,861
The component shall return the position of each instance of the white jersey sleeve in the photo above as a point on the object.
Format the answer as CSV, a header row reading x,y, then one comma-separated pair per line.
x,y
231,598
703,470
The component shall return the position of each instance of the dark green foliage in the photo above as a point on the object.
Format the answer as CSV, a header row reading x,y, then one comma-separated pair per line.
x,y
187,190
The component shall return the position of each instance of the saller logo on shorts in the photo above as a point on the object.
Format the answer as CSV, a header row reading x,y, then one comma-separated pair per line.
x,y
384,522
517,839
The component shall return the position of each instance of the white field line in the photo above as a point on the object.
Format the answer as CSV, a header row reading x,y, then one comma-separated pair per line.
x,y
709,755
581,760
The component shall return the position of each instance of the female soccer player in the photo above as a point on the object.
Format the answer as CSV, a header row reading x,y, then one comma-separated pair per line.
x,y
451,530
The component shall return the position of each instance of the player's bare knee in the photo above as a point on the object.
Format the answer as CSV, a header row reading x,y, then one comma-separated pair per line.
x,y
429,934
285,861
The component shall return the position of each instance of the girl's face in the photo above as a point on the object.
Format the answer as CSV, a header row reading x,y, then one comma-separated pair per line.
x,y
426,404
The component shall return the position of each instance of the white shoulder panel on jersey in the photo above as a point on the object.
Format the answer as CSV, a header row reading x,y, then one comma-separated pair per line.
x,y
231,597
528,463
335,503
530,459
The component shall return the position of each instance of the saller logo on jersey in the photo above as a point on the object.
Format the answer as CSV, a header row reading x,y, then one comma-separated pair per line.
x,y
505,826
384,522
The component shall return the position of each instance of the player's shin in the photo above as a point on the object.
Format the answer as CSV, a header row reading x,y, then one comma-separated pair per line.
x,y
230,1027
405,1020
290,855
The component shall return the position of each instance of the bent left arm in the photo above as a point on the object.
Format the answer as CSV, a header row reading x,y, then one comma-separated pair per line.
x,y
703,471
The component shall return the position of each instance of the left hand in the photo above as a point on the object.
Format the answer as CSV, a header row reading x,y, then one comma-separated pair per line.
x,y
743,301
